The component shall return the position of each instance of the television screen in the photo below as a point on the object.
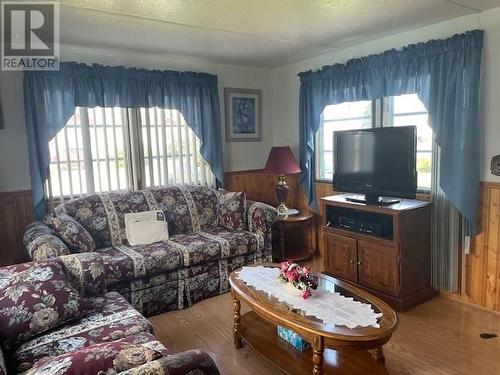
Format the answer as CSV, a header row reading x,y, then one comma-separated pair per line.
x,y
376,162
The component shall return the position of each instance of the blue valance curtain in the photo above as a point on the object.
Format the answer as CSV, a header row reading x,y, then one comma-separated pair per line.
x,y
444,73
51,97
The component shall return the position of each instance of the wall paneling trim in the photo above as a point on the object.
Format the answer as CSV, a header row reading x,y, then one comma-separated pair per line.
x,y
15,215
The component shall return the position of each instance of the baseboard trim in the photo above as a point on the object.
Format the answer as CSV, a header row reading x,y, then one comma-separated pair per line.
x,y
461,299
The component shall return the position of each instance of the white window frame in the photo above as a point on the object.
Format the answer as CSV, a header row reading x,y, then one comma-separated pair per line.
x,y
376,119
144,144
382,116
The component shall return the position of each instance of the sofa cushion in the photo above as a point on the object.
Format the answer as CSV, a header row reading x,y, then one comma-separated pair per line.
x,y
206,202
116,320
232,210
129,262
36,298
104,358
42,243
214,244
118,204
177,206
85,271
91,213
74,235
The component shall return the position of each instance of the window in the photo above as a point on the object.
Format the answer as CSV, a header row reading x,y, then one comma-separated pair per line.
x,y
110,149
392,111
407,110
170,150
345,116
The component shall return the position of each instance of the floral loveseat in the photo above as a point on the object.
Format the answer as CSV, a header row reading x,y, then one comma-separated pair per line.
x,y
55,319
211,234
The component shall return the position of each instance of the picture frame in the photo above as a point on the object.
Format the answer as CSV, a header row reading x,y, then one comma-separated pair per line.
x,y
243,114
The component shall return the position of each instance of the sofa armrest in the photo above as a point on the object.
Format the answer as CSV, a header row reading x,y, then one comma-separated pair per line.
x,y
86,272
188,362
42,243
261,218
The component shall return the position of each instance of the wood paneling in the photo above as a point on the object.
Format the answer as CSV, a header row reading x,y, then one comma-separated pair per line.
x,y
259,186
15,214
481,284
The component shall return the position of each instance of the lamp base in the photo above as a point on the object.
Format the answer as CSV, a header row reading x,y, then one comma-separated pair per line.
x,y
282,208
281,193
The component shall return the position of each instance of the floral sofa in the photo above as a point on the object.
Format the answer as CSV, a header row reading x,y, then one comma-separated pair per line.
x,y
211,232
56,320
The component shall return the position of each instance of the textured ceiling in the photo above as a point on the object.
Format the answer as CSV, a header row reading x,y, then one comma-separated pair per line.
x,y
266,33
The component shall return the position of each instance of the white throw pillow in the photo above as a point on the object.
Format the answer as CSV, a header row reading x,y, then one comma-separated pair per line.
x,y
143,228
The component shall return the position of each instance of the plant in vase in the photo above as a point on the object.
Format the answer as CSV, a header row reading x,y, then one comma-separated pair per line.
x,y
291,274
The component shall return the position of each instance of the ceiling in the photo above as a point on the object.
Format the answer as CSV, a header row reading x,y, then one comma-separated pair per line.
x,y
261,33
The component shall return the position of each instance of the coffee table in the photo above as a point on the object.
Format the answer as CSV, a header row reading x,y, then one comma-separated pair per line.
x,y
334,348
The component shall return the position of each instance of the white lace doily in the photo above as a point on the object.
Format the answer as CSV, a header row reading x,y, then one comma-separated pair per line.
x,y
330,307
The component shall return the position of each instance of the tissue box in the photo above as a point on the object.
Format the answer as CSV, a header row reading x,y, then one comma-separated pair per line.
x,y
293,338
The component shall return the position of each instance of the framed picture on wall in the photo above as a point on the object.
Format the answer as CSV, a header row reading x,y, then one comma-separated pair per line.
x,y
243,115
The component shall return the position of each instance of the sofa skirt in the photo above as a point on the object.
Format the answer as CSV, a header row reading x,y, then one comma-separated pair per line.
x,y
152,295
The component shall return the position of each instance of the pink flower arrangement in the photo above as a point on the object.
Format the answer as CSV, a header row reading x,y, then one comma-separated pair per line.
x,y
300,278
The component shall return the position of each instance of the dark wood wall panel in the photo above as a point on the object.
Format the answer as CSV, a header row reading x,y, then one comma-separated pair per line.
x,y
15,214
260,186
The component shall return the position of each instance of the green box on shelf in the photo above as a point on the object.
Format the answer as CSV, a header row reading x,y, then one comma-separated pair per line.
x,y
293,338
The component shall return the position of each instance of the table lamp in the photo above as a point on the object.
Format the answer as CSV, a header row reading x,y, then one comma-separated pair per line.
x,y
281,162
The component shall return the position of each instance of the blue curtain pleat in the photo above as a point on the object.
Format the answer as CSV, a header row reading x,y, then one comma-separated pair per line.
x,y
444,73
50,99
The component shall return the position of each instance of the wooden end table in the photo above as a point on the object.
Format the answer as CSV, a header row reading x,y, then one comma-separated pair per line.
x,y
300,221
352,351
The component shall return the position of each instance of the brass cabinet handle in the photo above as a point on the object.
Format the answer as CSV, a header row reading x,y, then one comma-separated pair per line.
x,y
351,261
359,263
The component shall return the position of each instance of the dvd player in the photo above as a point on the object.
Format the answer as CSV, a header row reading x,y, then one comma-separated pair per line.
x,y
356,225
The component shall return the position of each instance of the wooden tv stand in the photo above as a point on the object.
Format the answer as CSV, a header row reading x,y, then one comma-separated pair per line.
x,y
385,250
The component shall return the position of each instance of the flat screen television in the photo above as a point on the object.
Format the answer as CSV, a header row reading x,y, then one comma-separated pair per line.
x,y
377,162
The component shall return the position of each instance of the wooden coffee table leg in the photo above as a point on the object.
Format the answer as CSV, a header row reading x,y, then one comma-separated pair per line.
x,y
378,354
236,318
318,349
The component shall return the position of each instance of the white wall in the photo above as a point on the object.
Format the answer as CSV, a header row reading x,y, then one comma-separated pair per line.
x,y
14,167
286,82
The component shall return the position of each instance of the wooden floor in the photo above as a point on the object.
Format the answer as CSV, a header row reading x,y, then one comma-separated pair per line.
x,y
438,337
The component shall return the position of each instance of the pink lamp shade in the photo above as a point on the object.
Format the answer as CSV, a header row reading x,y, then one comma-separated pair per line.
x,y
281,161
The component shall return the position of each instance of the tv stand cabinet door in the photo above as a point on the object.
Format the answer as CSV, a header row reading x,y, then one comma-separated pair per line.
x,y
378,267
341,257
